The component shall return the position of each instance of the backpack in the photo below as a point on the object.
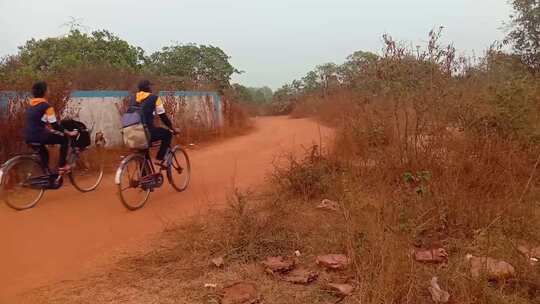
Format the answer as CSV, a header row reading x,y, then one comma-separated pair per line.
x,y
83,140
134,132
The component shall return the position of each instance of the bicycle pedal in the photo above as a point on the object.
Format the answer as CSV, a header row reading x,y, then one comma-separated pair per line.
x,y
55,182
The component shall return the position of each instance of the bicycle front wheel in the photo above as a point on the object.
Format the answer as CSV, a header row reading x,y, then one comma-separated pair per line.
x,y
179,170
128,178
16,179
87,171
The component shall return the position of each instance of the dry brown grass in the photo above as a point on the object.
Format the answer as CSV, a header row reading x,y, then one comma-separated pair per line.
x,y
381,219
176,270
423,157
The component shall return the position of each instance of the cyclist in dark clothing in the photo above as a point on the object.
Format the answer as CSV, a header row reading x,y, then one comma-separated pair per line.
x,y
152,105
38,115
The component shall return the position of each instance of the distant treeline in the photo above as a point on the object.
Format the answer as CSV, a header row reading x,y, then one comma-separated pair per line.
x,y
102,60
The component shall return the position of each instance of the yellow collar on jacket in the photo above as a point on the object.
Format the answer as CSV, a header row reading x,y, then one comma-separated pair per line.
x,y
36,101
140,96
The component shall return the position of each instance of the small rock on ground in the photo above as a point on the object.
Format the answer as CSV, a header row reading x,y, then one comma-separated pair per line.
x,y
278,264
333,261
341,290
433,256
300,276
494,269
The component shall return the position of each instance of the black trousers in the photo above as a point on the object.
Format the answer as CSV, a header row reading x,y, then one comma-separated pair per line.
x,y
165,136
53,139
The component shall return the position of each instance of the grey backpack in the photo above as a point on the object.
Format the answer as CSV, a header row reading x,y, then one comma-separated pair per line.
x,y
134,132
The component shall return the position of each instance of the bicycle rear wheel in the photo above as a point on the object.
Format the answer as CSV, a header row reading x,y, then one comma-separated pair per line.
x,y
179,171
87,171
128,179
16,190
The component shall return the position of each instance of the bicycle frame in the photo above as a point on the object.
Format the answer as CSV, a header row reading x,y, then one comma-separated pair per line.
x,y
148,159
45,181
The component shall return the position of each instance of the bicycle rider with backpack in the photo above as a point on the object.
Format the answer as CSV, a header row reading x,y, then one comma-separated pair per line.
x,y
152,105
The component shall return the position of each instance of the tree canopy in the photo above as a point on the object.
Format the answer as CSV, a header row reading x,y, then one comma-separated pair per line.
x,y
328,75
192,63
525,31
86,56
79,49
252,95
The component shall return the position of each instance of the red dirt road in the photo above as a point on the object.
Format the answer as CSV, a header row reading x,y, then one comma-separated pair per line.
x,y
68,232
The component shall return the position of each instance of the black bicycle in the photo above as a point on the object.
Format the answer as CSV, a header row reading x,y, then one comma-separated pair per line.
x,y
24,179
137,176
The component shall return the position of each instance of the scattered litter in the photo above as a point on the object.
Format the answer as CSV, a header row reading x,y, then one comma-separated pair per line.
x,y
434,256
241,293
218,262
210,285
328,205
437,294
494,269
333,261
341,290
300,276
278,264
297,253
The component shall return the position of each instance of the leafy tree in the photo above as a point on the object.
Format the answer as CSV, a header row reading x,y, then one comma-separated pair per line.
x,y
285,93
356,64
76,50
328,75
265,94
261,95
251,95
310,81
525,33
319,79
241,93
193,64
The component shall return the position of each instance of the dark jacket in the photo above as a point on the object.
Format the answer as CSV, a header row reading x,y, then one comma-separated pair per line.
x,y
38,115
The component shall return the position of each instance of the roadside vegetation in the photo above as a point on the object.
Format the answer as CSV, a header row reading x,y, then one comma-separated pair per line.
x,y
432,151
100,60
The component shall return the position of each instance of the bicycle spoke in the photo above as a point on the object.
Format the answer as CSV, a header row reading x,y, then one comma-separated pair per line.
x,y
178,173
132,195
17,192
87,171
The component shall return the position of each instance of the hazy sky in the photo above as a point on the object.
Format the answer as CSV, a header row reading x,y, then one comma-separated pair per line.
x,y
272,41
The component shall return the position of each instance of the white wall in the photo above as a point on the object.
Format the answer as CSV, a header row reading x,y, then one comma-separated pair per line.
x,y
103,114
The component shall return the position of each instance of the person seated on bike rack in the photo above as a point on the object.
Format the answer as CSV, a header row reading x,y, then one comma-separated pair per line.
x,y
38,115
152,105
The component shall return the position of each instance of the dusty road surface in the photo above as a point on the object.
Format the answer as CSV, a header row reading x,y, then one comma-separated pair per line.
x,y
68,233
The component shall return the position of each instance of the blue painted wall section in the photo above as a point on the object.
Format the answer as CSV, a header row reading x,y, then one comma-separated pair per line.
x,y
5,96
